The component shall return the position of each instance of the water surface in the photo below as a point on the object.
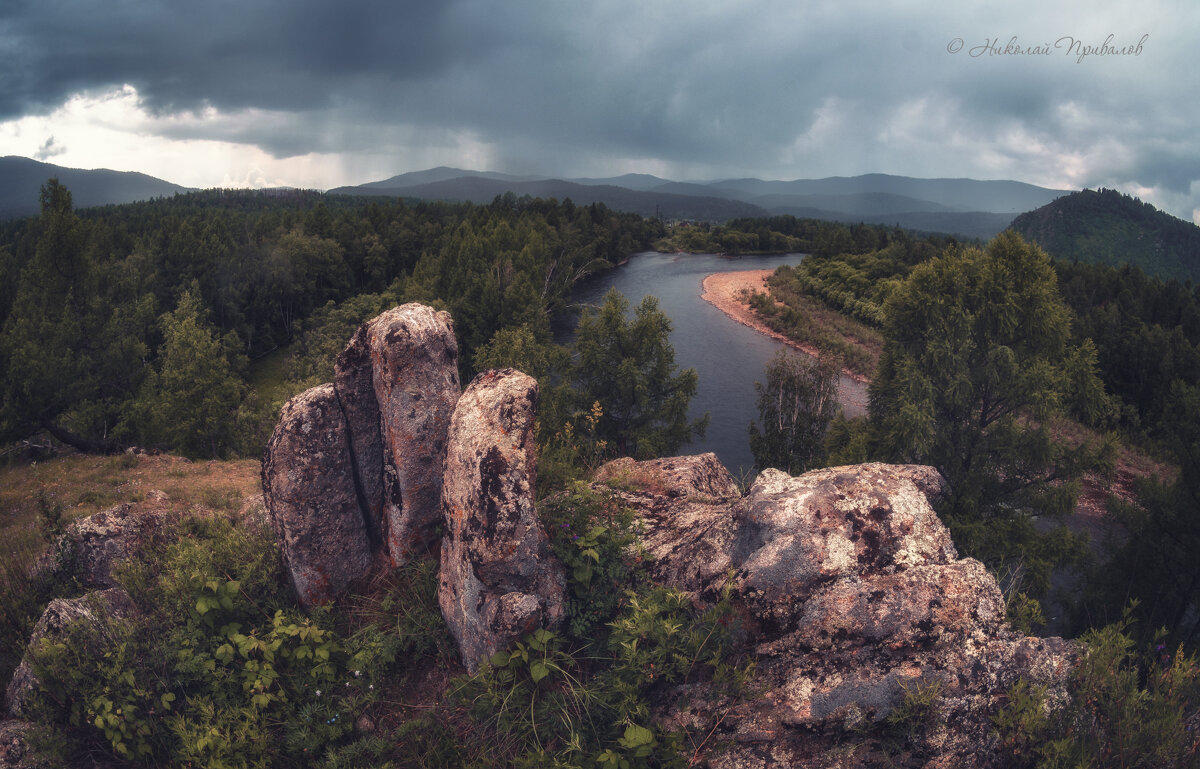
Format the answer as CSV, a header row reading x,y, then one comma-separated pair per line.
x,y
728,357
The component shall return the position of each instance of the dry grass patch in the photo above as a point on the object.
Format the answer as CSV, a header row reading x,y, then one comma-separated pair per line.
x,y
85,484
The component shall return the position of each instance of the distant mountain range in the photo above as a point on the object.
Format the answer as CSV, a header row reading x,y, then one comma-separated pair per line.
x,y
1108,227
1102,226
21,180
965,207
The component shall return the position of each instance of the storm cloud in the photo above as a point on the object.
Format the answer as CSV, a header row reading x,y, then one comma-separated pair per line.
x,y
682,89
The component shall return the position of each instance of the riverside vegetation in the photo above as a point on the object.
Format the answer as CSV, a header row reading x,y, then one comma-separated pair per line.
x,y
238,664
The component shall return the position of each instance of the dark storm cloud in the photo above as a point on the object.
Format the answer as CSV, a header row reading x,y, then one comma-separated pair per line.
x,y
286,54
769,88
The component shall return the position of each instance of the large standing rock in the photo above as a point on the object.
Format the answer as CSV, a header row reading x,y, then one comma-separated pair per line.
x,y
415,371
311,499
354,383
498,578
53,624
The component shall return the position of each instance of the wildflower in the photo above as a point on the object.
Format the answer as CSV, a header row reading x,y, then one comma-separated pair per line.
x,y
318,692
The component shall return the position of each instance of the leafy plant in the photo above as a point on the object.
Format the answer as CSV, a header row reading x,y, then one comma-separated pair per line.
x,y
1127,708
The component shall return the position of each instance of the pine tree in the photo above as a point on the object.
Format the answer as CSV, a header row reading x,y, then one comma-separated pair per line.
x,y
628,366
193,398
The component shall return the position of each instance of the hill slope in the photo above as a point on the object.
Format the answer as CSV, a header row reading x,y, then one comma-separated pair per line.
x,y
21,180
1108,227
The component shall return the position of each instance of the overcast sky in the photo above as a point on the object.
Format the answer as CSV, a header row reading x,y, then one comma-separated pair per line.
x,y
321,93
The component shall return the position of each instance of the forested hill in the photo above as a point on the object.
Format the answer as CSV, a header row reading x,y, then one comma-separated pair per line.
x,y
20,179
1108,227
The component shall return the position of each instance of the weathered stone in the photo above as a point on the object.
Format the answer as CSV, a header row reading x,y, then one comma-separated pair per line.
x,y
91,546
311,500
53,625
498,578
684,505
15,749
801,532
414,360
854,596
353,381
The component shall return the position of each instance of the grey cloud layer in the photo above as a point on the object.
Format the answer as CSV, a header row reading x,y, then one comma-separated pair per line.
x,y
726,88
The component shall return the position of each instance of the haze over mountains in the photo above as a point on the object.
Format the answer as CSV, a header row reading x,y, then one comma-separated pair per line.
x,y
965,207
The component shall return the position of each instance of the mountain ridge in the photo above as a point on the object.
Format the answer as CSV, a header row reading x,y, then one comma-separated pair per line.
x,y
21,180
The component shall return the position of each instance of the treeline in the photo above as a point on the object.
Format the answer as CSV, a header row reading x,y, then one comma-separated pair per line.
x,y
108,316
784,234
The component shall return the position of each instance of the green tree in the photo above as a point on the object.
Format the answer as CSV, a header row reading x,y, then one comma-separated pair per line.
x,y
977,360
72,346
192,400
628,366
795,407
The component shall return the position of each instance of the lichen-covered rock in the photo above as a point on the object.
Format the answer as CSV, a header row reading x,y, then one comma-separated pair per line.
x,y
414,359
685,506
854,597
15,749
498,578
801,532
311,499
91,546
354,383
53,624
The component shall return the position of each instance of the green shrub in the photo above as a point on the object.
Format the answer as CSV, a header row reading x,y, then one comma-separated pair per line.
x,y
1127,708
219,669
595,538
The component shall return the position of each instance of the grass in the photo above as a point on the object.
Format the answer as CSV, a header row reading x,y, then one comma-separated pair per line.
x,y
268,376
79,486
809,321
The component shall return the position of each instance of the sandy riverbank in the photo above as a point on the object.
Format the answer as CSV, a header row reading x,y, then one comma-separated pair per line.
x,y
722,290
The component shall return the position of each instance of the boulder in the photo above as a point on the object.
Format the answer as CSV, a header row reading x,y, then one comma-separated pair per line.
x,y
53,625
311,499
797,534
354,383
91,546
414,359
498,578
853,596
684,505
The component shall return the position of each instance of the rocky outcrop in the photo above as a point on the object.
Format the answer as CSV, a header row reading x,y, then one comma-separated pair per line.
x,y
414,360
689,534
498,578
91,546
308,482
53,625
853,596
354,468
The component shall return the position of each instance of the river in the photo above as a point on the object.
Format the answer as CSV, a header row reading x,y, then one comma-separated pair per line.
x,y
728,357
